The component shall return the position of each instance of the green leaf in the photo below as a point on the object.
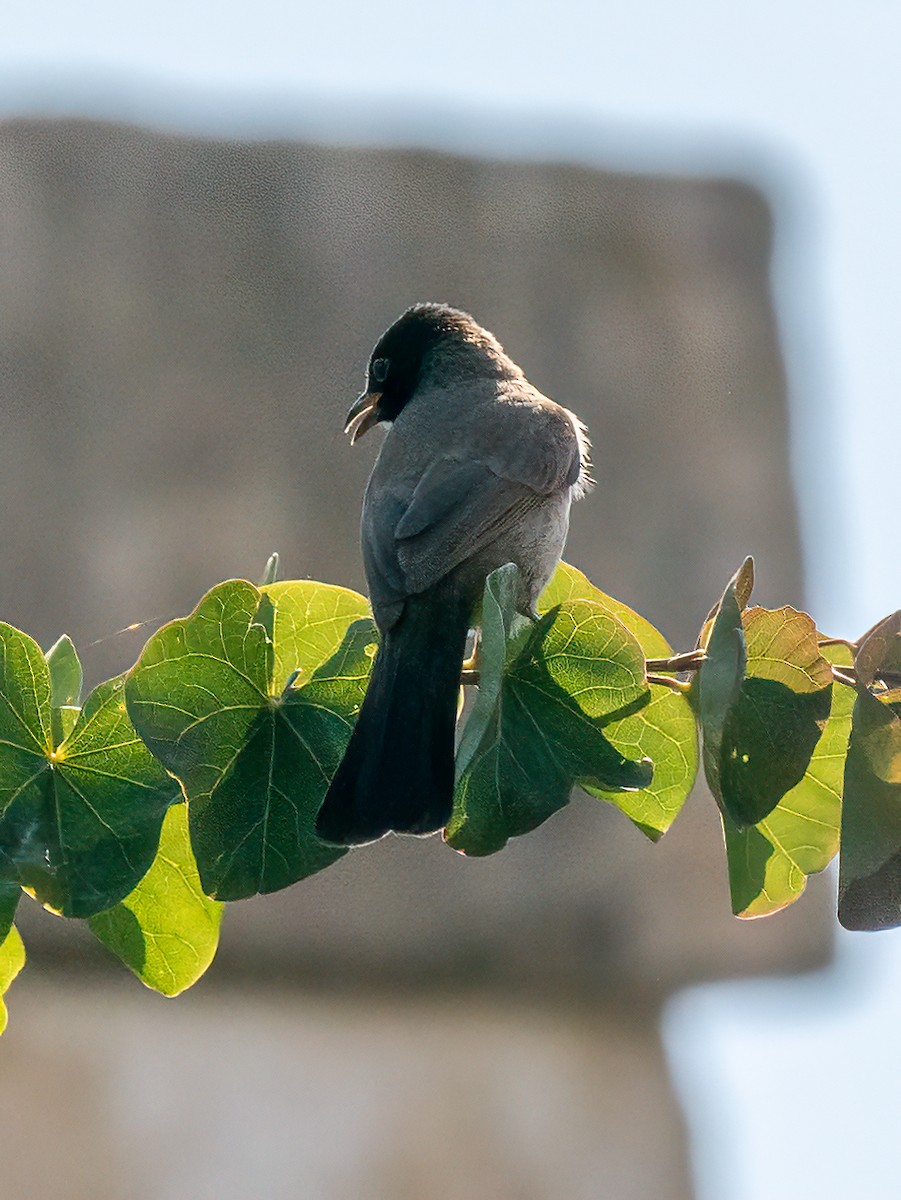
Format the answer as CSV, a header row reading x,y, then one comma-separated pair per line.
x,y
26,740
504,632
64,666
664,730
79,822
764,693
879,651
719,682
167,930
9,902
869,880
539,716
742,585
311,620
12,960
779,714
65,686
270,571
254,725
769,862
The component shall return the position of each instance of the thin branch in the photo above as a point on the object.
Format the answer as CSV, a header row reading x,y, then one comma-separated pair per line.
x,y
837,641
690,660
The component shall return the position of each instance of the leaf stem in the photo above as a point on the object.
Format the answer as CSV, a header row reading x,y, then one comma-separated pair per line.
x,y
690,660
290,683
844,677
677,685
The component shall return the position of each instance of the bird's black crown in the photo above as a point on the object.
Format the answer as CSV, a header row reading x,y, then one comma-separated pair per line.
x,y
395,365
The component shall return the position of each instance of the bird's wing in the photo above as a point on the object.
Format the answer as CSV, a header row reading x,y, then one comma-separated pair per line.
x,y
471,508
459,506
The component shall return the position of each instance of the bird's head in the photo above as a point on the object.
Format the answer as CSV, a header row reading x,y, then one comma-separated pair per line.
x,y
403,352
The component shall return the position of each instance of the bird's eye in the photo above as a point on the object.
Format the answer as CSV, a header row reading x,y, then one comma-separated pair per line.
x,y
378,372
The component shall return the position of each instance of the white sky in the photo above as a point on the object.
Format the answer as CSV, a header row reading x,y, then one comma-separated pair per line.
x,y
807,93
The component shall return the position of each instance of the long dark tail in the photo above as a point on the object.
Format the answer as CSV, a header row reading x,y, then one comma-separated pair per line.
x,y
398,770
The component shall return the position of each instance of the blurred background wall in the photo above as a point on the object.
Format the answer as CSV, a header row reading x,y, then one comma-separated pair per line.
x,y
410,1024
184,323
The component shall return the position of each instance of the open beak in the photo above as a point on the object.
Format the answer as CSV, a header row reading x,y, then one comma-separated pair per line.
x,y
363,415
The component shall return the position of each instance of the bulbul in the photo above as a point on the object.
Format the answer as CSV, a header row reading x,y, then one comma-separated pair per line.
x,y
478,469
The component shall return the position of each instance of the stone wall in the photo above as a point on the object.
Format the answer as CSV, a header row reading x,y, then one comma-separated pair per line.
x,y
183,324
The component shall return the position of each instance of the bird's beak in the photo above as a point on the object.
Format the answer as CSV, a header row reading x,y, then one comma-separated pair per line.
x,y
363,415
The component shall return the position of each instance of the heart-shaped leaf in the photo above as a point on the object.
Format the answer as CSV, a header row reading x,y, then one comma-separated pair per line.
x,y
79,819
249,702
537,724
12,960
663,730
764,694
769,862
166,930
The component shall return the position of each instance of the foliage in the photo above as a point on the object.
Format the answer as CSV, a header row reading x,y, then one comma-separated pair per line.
x,y
196,777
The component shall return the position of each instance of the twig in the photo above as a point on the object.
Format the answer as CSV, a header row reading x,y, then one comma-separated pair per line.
x,y
690,660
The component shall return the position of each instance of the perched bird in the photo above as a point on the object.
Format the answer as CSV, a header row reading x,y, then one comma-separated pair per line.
x,y
478,469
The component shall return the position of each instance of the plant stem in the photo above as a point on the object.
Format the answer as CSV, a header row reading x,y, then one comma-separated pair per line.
x,y
837,641
843,677
690,660
676,685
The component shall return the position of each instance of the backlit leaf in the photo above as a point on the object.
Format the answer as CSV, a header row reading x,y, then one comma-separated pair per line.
x,y
12,960
538,722
166,930
249,702
663,730
79,819
769,862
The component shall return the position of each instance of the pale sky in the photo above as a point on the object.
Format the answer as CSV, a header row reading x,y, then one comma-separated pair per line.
x,y
807,96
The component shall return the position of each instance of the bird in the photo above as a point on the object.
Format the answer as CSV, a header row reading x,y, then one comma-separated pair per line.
x,y
478,469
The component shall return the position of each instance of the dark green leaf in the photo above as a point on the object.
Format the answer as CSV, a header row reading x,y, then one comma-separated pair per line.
x,y
664,730
778,716
9,902
538,723
27,742
764,696
212,696
769,862
79,823
719,681
869,881
167,930
12,960
108,799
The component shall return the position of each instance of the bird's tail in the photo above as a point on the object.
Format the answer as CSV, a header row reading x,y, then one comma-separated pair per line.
x,y
398,770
